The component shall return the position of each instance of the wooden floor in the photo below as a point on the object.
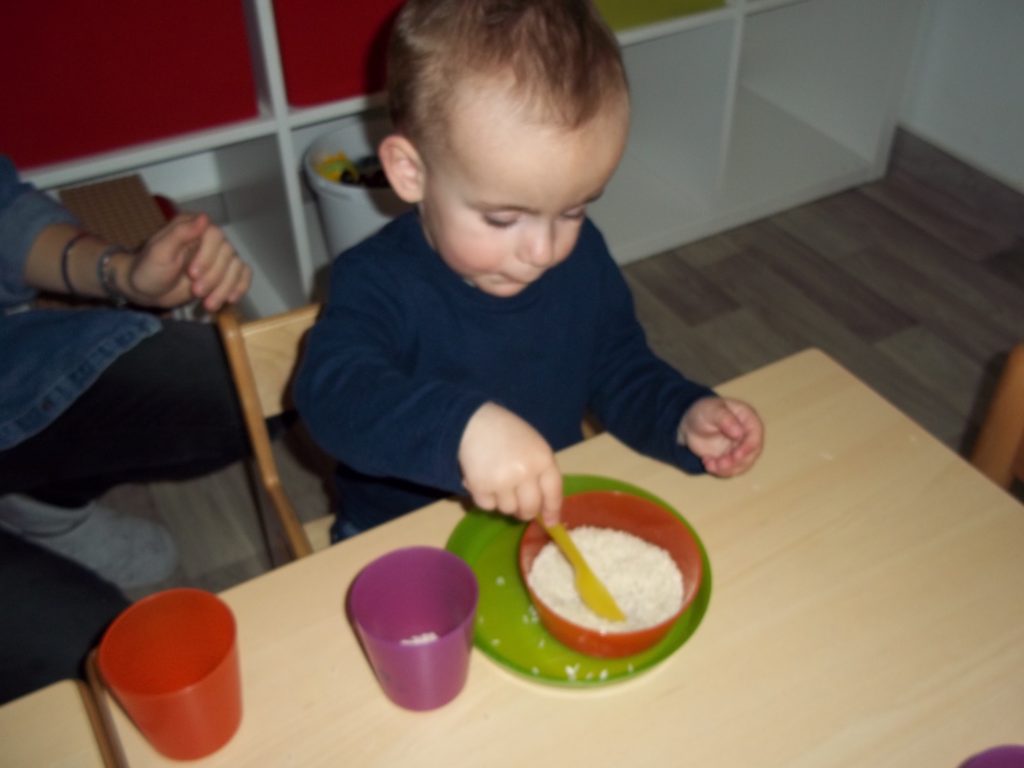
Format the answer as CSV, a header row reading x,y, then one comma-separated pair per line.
x,y
915,283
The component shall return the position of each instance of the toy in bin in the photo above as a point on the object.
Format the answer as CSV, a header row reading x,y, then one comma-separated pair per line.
x,y
366,172
353,196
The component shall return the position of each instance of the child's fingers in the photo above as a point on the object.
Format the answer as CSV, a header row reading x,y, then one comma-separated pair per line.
x,y
735,419
551,491
508,503
528,501
728,437
733,463
742,427
720,466
486,501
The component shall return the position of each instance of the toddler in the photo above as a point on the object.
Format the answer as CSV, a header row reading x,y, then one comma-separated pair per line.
x,y
461,345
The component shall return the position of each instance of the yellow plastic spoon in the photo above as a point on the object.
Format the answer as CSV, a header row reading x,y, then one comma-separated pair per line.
x,y
594,594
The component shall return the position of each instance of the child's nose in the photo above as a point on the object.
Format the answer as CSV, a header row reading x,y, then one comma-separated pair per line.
x,y
539,248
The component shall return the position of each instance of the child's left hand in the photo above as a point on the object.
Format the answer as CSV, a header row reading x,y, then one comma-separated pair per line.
x,y
726,434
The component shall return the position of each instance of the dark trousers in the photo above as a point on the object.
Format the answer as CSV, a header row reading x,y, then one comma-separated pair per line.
x,y
165,410
53,612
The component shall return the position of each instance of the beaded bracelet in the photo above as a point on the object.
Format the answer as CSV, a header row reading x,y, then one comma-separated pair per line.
x,y
64,271
105,274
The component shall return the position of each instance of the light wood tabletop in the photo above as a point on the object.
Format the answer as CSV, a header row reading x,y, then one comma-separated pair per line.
x,y
53,726
867,609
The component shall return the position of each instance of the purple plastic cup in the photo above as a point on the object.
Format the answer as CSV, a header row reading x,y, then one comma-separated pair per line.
x,y
1004,756
413,610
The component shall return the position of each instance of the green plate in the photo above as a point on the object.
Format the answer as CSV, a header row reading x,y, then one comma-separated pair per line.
x,y
507,627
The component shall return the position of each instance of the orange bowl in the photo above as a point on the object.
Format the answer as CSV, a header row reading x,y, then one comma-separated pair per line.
x,y
634,515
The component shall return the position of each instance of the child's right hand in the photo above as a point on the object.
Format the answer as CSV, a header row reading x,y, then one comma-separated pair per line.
x,y
509,467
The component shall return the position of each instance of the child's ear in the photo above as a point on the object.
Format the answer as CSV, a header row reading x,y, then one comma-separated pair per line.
x,y
403,166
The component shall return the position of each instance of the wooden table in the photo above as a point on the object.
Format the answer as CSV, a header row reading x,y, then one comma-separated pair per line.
x,y
867,610
53,726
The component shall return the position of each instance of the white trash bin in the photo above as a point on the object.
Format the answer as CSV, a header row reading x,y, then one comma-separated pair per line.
x,y
349,212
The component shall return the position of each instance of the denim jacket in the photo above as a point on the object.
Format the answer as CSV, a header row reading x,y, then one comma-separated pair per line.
x,y
47,357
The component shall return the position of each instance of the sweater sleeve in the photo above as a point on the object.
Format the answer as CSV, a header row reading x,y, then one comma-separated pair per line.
x,y
355,392
24,213
637,396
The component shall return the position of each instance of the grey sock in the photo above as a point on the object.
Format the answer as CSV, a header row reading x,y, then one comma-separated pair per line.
x,y
126,551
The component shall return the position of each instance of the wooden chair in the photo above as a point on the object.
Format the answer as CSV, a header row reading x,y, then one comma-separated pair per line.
x,y
262,355
999,450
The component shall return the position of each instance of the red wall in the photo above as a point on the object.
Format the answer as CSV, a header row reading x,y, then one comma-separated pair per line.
x,y
84,76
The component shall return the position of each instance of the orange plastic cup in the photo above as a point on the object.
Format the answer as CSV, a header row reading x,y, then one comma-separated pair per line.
x,y
171,661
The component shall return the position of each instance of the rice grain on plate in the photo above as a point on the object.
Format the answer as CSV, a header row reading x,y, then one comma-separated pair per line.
x,y
642,577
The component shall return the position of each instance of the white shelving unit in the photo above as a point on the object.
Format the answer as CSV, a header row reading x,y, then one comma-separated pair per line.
x,y
737,113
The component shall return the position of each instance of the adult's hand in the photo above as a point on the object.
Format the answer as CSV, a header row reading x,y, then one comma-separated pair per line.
x,y
189,258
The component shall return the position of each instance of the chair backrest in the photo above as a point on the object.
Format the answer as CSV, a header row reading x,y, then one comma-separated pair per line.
x,y
272,346
999,450
262,355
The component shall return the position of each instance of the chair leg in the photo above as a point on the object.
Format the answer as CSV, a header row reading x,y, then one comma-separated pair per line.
x,y
94,698
274,539
999,450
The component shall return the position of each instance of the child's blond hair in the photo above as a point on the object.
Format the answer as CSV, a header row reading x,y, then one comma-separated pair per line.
x,y
558,55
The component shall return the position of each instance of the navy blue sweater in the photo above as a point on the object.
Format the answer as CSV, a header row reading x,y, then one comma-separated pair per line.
x,y
406,351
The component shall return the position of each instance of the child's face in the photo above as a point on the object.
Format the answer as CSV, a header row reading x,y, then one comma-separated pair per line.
x,y
505,202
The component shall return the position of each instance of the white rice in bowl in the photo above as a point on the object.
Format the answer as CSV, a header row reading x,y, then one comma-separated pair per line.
x,y
643,579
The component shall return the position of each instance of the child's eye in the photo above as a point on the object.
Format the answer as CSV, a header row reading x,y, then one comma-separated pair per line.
x,y
499,221
576,214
